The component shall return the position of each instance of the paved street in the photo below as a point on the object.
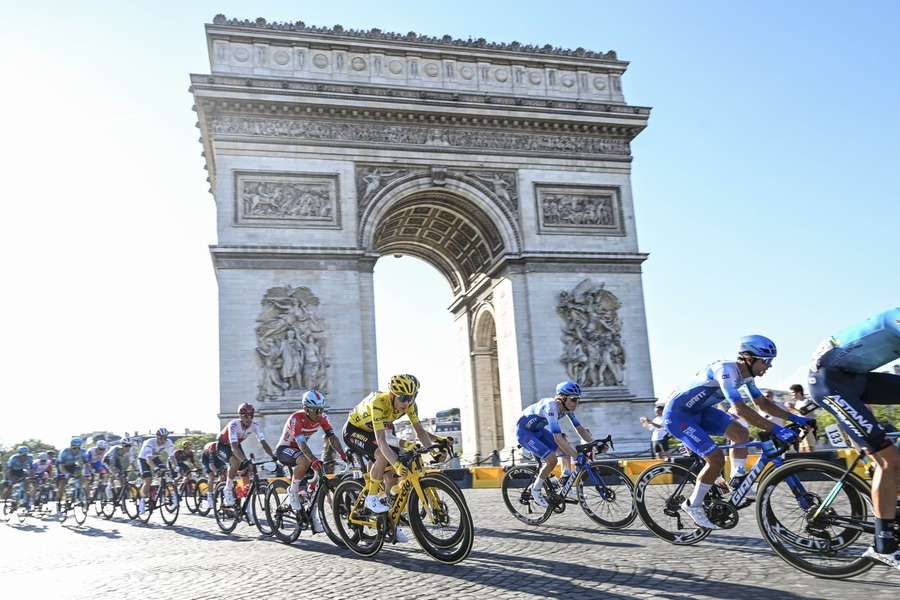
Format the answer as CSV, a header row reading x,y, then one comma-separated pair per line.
x,y
567,558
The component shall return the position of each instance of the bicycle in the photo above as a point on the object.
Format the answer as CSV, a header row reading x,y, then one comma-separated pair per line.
x,y
318,497
227,517
164,496
73,499
661,489
187,491
604,493
437,513
20,502
820,534
124,496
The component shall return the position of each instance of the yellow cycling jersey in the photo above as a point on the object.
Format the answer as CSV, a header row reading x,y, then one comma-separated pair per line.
x,y
377,412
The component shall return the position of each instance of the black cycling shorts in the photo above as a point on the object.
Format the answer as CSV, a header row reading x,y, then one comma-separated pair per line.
x,y
288,455
362,442
212,464
147,469
845,395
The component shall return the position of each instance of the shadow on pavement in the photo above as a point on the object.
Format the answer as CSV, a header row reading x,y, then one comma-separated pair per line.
x,y
545,535
89,531
28,527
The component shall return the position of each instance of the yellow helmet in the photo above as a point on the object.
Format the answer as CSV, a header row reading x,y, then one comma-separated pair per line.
x,y
404,385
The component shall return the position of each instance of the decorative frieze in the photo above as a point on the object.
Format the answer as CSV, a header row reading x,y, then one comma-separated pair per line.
x,y
351,133
266,199
290,350
594,210
593,353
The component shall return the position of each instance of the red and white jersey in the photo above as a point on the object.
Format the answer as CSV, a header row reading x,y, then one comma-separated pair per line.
x,y
210,448
234,433
301,425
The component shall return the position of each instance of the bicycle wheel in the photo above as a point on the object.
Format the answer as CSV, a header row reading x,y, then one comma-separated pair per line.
x,y
168,502
516,491
189,493
325,508
658,494
258,509
97,497
360,539
7,510
279,513
611,501
227,517
826,545
446,532
200,499
129,500
108,505
80,506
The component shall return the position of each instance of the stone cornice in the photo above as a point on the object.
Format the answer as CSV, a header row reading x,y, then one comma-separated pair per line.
x,y
339,33
432,99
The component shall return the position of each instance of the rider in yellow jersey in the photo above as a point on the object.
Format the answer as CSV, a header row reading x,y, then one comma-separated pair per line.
x,y
366,432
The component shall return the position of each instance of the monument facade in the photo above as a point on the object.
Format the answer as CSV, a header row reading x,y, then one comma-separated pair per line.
x,y
505,166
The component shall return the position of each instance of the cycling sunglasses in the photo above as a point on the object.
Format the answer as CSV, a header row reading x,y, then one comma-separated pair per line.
x,y
406,399
766,361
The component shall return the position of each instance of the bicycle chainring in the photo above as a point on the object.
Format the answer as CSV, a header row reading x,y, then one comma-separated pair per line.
x,y
723,514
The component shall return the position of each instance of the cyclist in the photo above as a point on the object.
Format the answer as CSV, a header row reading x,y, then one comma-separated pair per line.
x,y
294,452
229,447
69,464
42,468
538,431
691,416
213,466
93,463
366,434
841,382
18,469
117,459
149,459
183,456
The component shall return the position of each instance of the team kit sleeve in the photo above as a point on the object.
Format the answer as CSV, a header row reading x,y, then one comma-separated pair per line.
x,y
258,430
413,414
146,449
727,377
378,416
552,416
234,431
574,420
753,390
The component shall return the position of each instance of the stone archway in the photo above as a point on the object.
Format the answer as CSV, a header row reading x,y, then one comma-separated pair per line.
x,y
488,403
506,166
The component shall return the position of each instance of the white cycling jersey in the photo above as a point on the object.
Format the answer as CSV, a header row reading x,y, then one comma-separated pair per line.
x,y
151,449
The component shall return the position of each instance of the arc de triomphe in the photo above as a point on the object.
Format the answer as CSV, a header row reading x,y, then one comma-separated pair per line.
x,y
505,166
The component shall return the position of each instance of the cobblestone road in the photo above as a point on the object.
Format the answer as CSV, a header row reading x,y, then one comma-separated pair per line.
x,y
566,558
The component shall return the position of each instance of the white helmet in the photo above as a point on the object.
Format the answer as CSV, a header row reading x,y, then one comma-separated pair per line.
x,y
102,445
314,399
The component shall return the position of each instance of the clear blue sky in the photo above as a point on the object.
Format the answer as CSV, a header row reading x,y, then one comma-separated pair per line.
x,y
766,189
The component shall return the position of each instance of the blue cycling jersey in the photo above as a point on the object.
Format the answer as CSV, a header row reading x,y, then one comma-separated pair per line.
x,y
71,457
20,462
862,347
718,382
549,409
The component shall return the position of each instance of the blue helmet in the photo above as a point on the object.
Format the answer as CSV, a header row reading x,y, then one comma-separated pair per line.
x,y
313,399
76,442
568,388
23,450
758,345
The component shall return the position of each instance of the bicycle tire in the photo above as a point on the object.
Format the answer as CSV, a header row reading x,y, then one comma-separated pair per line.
x,y
200,489
169,503
108,505
279,513
189,493
325,507
258,509
129,500
660,523
360,540
227,517
607,497
516,491
800,551
80,507
466,529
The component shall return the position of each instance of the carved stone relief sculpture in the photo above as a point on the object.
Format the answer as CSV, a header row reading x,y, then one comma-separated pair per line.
x,y
579,209
290,352
286,200
593,353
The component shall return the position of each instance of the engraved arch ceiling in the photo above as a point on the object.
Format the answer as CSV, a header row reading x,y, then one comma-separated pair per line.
x,y
454,236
